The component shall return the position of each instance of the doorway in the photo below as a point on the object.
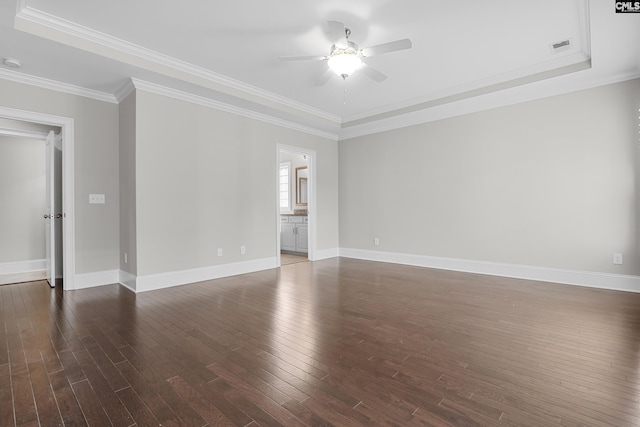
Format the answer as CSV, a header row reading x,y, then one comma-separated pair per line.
x,y
296,205
30,181
65,244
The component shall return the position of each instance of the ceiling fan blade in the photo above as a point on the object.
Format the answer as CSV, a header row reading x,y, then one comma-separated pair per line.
x,y
304,58
337,34
324,77
372,73
387,47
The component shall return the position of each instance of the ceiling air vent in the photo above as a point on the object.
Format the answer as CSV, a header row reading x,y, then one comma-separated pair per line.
x,y
560,46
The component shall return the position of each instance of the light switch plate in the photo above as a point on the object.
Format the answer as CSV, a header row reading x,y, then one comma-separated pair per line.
x,y
96,199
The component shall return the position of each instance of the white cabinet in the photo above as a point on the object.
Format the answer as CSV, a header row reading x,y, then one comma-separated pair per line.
x,y
302,238
288,237
294,234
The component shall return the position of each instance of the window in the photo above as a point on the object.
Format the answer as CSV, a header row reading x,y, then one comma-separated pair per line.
x,y
285,186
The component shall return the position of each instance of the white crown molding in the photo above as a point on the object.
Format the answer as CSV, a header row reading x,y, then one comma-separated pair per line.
x,y
43,83
616,282
503,98
125,90
471,87
457,108
464,104
211,103
53,22
47,20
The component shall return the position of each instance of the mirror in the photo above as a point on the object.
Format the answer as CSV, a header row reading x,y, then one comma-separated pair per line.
x,y
301,186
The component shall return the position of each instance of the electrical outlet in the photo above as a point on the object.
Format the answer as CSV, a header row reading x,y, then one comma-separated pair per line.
x,y
617,259
125,258
96,199
243,250
219,251
376,241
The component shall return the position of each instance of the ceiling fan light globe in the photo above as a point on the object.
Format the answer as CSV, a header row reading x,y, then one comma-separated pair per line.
x,y
344,64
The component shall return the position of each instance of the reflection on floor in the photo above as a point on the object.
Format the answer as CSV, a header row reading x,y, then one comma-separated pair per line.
x,y
286,259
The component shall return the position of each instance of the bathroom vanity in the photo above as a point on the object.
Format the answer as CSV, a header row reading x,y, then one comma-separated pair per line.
x,y
294,234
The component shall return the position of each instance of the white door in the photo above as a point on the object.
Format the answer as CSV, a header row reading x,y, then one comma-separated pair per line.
x,y
50,231
53,209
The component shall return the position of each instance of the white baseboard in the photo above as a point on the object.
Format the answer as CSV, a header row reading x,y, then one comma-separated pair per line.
x,y
128,280
99,278
616,282
326,254
19,267
176,278
23,271
29,276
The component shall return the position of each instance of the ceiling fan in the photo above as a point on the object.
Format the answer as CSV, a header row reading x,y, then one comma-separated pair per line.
x,y
345,57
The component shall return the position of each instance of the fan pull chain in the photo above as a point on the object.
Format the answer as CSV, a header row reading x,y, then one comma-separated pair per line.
x,y
344,93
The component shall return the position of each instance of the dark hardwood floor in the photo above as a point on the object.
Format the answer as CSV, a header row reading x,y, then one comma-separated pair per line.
x,y
338,342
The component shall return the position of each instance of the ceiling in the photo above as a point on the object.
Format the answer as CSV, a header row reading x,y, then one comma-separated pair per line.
x,y
467,55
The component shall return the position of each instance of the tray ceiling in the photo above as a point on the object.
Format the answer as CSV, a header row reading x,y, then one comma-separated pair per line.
x,y
466,55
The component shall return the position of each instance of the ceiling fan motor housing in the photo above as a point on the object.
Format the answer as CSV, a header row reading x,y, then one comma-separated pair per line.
x,y
344,61
351,49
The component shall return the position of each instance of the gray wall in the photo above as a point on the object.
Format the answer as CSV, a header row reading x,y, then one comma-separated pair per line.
x,y
22,199
206,179
96,167
127,164
548,183
551,183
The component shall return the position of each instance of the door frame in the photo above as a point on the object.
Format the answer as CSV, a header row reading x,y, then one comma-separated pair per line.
x,y
68,203
312,199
